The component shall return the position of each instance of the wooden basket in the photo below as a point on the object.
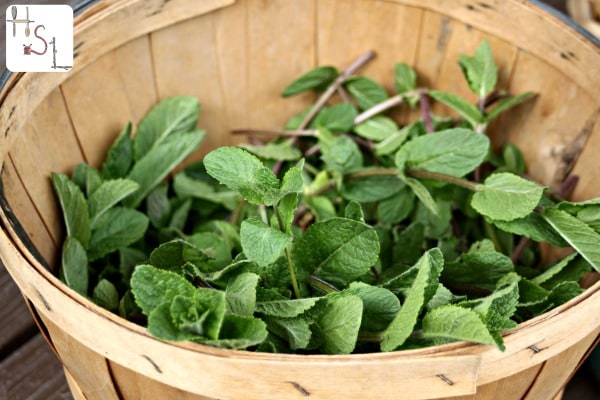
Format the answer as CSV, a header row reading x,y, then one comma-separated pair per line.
x,y
236,56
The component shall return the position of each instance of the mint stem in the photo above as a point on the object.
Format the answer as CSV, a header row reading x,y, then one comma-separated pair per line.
x,y
288,254
322,285
276,132
426,111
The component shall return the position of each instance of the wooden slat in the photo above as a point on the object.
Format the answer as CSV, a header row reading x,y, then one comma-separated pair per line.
x,y
23,208
16,324
33,372
589,181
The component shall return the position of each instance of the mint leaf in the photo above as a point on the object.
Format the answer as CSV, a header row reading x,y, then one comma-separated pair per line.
x,y
120,156
371,188
466,110
453,152
261,243
292,181
366,91
405,78
209,244
74,265
105,295
393,142
339,323
422,194
453,322
377,128
422,290
159,160
240,294
117,228
534,227
109,193
397,207
505,197
318,78
186,186
283,151
295,331
238,332
74,208
152,287
337,118
173,255
480,70
338,250
380,305
479,266
172,116
577,233
285,308
507,103
158,207
241,171
554,269
87,178
342,155
201,314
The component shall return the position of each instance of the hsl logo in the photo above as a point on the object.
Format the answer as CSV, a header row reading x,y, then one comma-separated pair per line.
x,y
39,38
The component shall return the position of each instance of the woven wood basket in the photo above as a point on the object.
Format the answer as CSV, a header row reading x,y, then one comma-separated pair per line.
x,y
235,57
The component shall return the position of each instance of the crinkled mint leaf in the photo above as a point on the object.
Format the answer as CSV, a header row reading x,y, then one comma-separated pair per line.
x,y
318,79
480,70
456,323
241,294
337,118
74,265
211,245
354,211
453,152
292,181
173,115
201,314
505,197
366,91
377,128
108,194
408,244
380,305
241,171
339,323
422,290
159,161
338,250
116,228
152,287
74,208
577,233
239,332
119,159
173,255
261,243
282,151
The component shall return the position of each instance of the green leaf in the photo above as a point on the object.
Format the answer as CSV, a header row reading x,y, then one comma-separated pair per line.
x,y
366,91
292,181
159,161
377,128
453,152
380,305
405,78
287,208
466,110
480,70
371,188
162,326
261,243
554,269
186,186
241,294
338,250
152,287
482,267
422,290
212,245
318,78
238,332
74,208
534,227
507,103
158,206
295,331
285,308
409,243
116,228
170,117
393,142
241,171
397,207
339,323
505,197
74,264
201,314
422,194
106,295
87,178
453,322
120,156
337,118
354,211
281,151
173,255
574,271
107,195
343,155
577,233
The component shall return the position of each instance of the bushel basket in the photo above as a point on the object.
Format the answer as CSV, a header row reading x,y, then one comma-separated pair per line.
x,y
236,57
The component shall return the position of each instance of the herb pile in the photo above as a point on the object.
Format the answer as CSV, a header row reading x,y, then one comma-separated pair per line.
x,y
346,233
